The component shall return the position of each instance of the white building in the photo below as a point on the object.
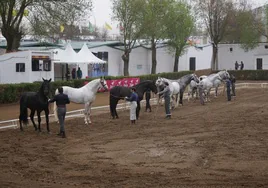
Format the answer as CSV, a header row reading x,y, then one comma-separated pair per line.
x,y
26,66
253,59
141,58
111,52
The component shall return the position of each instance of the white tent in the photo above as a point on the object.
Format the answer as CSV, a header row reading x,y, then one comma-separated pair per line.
x,y
86,56
68,55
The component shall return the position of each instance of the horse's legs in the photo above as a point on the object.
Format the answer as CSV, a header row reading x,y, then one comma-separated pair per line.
x,y
20,126
39,120
177,100
112,106
86,112
89,112
216,91
32,118
115,112
47,119
181,98
138,109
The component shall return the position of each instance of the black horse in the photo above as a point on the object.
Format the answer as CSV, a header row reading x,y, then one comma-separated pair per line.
x,y
35,101
120,92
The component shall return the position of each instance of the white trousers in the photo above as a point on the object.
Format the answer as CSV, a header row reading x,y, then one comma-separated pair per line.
x,y
133,107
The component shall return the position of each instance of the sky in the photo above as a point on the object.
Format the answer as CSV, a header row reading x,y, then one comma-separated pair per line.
x,y
102,12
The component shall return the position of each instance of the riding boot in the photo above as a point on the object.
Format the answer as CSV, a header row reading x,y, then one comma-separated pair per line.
x,y
63,134
134,121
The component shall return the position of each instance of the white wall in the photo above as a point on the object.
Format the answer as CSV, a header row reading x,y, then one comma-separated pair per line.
x,y
203,58
165,60
227,59
8,72
115,63
138,62
141,60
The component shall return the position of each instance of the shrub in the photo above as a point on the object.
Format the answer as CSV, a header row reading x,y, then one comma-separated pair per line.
x,y
10,93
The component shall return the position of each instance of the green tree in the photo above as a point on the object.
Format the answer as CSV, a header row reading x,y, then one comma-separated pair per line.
x,y
153,24
244,27
128,14
179,26
214,14
48,12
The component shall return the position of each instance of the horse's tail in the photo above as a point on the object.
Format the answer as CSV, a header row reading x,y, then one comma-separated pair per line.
x,y
23,111
55,108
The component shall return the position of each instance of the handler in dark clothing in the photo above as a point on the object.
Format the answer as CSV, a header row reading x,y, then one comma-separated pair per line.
x,y
233,80
61,101
148,97
228,88
166,93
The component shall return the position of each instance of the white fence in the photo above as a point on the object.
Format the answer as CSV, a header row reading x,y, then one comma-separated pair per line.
x,y
78,113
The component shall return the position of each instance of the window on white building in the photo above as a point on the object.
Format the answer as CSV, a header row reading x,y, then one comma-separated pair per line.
x,y
35,65
20,67
47,65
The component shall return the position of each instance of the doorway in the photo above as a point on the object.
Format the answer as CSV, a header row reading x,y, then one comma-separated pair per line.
x,y
192,64
259,64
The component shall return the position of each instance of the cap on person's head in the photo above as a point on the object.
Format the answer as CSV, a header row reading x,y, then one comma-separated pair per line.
x,y
60,90
133,89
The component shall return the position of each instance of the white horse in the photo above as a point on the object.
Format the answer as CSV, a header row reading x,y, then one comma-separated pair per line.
x,y
193,89
84,95
213,81
174,87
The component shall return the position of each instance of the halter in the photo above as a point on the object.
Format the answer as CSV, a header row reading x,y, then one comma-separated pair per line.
x,y
104,85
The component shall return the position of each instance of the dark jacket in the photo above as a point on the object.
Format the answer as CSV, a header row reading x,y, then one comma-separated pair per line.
x,y
228,84
133,97
60,99
165,92
232,79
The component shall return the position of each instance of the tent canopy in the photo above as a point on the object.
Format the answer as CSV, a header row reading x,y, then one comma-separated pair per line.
x,y
69,56
87,56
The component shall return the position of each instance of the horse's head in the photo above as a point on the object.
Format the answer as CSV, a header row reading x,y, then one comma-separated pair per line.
x,y
159,81
224,74
195,78
46,86
103,83
153,87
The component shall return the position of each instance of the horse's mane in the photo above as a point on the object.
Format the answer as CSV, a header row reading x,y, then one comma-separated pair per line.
x,y
142,83
89,84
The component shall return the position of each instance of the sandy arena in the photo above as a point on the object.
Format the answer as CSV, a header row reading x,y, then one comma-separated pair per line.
x,y
221,144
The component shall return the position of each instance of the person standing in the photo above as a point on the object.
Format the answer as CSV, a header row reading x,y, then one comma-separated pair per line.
x,y
61,100
241,65
236,65
73,73
68,75
233,80
133,105
148,97
166,94
79,73
201,93
228,89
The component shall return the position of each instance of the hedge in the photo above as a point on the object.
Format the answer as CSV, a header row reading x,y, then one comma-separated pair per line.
x,y
10,93
250,74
